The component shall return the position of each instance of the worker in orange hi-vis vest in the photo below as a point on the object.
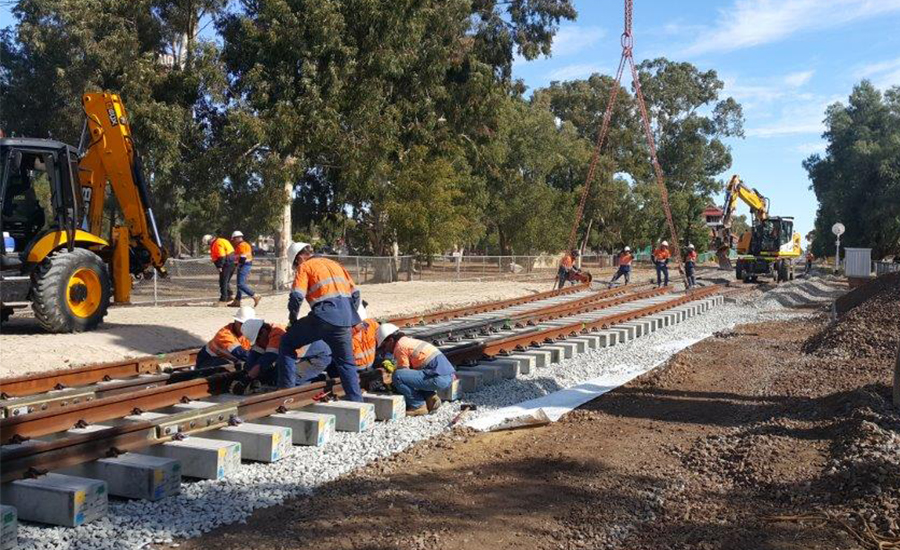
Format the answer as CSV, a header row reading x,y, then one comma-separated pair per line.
x,y
365,339
222,255
661,259
265,339
625,260
243,257
420,369
333,300
690,266
228,345
566,265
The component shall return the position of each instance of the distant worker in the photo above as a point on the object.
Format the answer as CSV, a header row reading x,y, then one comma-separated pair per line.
x,y
566,266
661,260
690,265
625,259
265,339
222,255
421,369
809,260
333,301
243,255
228,345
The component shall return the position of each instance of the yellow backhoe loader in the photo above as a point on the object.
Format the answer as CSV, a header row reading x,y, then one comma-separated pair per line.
x,y
54,254
768,248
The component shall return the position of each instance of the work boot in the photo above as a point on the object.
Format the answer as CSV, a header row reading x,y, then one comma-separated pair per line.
x,y
234,303
433,403
421,411
256,300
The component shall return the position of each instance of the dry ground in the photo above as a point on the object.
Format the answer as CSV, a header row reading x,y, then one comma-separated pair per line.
x,y
696,455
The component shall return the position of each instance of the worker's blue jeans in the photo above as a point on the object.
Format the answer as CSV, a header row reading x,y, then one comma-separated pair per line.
x,y
662,269
242,276
417,385
623,270
563,275
689,273
306,331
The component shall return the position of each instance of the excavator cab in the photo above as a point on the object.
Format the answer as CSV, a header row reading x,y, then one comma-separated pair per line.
x,y
40,213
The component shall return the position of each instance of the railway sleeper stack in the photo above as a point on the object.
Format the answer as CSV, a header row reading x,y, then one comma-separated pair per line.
x,y
79,494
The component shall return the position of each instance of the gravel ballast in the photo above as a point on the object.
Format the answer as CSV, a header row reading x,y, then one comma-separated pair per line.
x,y
204,505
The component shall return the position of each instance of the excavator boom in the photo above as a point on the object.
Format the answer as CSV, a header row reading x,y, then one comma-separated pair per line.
x,y
759,208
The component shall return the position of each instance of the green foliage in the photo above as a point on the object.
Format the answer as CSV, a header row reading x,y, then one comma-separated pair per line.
x,y
857,182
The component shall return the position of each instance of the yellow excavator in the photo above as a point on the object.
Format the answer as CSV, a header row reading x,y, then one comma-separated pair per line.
x,y
768,248
54,253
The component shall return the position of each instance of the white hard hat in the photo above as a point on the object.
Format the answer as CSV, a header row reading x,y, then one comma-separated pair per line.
x,y
361,311
244,314
690,246
384,331
237,234
250,329
664,243
627,249
207,239
295,249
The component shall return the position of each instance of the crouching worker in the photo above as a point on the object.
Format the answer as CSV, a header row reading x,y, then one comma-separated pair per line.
x,y
365,341
421,369
625,259
228,345
265,339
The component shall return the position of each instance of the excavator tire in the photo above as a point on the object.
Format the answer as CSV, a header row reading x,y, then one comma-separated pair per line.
x,y
782,271
70,291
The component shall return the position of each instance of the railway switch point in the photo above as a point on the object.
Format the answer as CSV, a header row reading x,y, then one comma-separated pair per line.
x,y
349,416
134,475
57,499
387,407
308,428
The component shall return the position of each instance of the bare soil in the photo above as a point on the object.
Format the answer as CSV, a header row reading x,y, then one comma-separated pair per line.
x,y
706,452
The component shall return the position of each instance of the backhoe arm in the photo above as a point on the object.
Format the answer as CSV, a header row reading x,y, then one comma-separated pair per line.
x,y
110,157
759,208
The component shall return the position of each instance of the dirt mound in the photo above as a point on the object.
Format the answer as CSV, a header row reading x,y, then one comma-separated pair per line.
x,y
869,329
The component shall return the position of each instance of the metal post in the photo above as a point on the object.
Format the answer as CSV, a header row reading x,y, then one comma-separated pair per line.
x,y
154,287
837,255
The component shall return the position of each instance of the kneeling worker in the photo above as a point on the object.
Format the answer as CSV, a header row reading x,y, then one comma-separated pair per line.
x,y
228,345
421,369
265,339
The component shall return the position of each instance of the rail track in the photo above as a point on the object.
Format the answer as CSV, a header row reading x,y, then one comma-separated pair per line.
x,y
104,411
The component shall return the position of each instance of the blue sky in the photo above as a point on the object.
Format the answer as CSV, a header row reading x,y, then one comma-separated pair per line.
x,y
784,61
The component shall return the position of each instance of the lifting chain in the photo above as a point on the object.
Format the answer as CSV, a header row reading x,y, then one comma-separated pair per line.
x,y
627,55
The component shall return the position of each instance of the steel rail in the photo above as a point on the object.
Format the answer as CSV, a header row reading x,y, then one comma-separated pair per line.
x,y
35,383
521,341
37,456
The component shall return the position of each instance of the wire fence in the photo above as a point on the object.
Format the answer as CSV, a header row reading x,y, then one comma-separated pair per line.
x,y
196,280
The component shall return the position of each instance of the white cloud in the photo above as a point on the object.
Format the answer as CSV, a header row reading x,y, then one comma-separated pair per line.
x,y
750,23
810,148
883,74
572,39
579,70
795,80
795,118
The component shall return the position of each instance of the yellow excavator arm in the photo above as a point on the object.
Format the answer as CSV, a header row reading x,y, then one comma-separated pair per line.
x,y
110,157
759,207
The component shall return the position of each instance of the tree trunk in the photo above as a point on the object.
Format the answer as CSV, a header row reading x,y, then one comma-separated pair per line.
x,y
283,240
897,380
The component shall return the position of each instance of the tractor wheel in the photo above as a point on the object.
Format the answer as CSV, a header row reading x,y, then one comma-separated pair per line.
x,y
782,271
70,291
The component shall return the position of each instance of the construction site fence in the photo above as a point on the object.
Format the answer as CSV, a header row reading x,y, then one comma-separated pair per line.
x,y
197,279
881,268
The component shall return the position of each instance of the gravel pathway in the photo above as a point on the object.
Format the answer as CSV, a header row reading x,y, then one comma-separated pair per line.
x,y
204,505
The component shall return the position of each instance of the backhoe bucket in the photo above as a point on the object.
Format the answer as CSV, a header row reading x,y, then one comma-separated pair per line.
x,y
724,260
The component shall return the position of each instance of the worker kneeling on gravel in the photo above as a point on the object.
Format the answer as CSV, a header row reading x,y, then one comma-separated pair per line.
x,y
333,300
661,260
625,259
265,339
421,369
228,345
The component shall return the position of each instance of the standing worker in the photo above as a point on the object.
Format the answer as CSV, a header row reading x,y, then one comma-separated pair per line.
x,y
690,265
421,369
809,260
222,255
333,302
228,345
625,259
661,260
243,255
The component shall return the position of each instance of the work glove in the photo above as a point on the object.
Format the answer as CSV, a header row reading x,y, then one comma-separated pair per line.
x,y
388,365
